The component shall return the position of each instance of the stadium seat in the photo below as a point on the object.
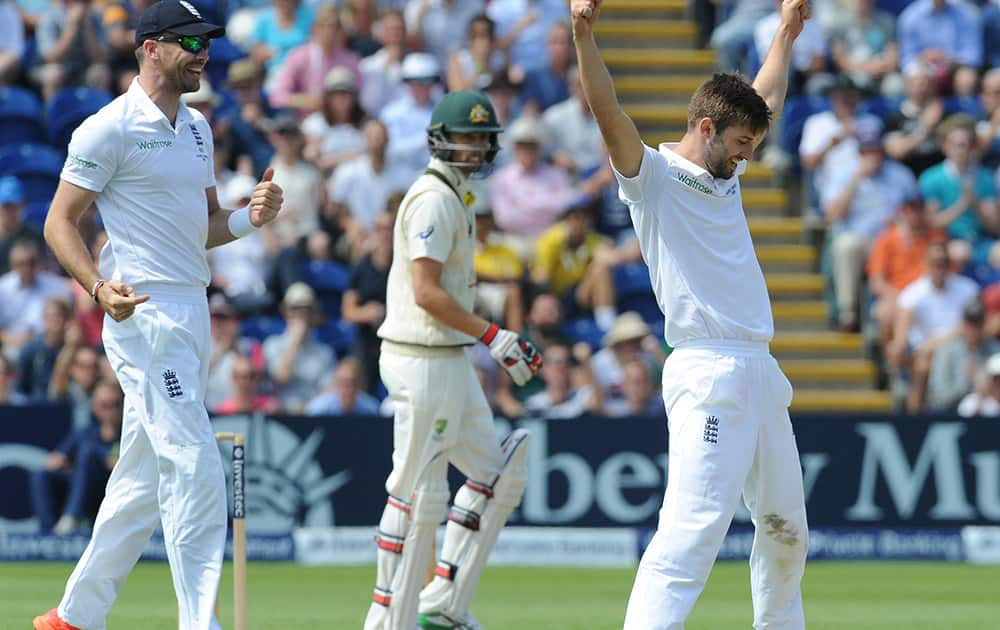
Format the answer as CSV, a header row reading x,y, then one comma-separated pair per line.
x,y
329,279
339,334
70,107
880,106
969,105
260,328
583,329
20,116
630,280
894,7
793,118
36,165
34,214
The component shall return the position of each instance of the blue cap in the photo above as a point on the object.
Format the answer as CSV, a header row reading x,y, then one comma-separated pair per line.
x,y
869,134
913,197
10,190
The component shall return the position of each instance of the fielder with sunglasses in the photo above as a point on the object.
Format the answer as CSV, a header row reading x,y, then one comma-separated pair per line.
x,y
146,160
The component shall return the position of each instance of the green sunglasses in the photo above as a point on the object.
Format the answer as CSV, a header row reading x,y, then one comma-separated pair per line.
x,y
193,44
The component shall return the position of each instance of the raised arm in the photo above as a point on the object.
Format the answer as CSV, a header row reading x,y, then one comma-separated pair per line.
x,y
771,81
620,135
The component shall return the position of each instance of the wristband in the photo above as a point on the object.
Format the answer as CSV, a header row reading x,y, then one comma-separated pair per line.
x,y
97,287
489,334
239,222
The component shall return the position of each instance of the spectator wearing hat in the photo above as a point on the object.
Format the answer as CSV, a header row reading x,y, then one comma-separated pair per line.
x,y
865,49
239,269
628,339
471,67
71,48
300,180
928,315
299,82
406,118
984,400
333,134
245,80
829,139
910,136
548,84
575,261
12,228
247,394
499,270
962,195
278,30
227,346
345,395
440,26
897,259
529,195
957,366
359,189
297,361
859,203
364,300
382,72
24,292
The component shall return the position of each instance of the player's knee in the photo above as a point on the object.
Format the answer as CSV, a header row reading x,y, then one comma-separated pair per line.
x,y
509,487
789,538
430,503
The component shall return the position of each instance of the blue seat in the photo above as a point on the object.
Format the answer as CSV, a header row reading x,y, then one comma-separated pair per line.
x,y
645,305
260,328
630,280
880,106
34,214
584,329
339,334
894,7
326,275
70,107
36,165
20,116
970,105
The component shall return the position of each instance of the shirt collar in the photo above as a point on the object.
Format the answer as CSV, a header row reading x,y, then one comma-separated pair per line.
x,y
454,176
667,149
138,95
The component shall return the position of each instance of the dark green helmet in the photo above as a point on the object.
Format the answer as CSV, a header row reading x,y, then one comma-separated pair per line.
x,y
463,112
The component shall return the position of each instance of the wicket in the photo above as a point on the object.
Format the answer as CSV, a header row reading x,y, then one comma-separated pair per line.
x,y
239,530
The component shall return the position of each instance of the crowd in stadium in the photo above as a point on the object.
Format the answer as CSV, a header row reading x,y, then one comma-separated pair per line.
x,y
892,125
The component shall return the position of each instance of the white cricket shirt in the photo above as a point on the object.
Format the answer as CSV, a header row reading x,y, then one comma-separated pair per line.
x,y
433,222
694,237
151,179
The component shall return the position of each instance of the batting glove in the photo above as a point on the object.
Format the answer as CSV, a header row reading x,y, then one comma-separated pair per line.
x,y
519,357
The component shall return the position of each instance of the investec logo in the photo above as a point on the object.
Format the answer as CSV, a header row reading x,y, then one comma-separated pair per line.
x,y
146,145
691,182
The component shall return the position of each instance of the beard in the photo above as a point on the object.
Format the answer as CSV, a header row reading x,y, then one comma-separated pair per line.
x,y
717,159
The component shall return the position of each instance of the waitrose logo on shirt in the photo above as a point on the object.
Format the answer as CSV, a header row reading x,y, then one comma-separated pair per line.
x,y
691,182
146,145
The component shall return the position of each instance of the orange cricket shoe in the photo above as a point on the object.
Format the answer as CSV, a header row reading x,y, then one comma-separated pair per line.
x,y
51,621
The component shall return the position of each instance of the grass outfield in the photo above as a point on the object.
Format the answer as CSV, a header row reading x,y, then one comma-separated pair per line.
x,y
282,596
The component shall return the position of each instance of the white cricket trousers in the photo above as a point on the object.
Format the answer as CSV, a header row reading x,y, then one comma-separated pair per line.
x,y
727,409
169,470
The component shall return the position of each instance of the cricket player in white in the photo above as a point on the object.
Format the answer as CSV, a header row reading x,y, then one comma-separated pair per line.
x,y
146,160
726,398
442,414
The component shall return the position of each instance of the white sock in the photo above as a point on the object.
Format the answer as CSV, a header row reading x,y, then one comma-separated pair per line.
x,y
605,316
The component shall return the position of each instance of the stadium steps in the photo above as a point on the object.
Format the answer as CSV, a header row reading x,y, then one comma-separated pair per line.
x,y
648,46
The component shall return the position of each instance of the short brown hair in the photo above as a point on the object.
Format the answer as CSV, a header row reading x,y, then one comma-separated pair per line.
x,y
729,99
956,121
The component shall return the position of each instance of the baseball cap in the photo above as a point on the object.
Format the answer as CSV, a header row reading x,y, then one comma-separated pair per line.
x,y
339,79
176,16
420,67
10,190
299,294
527,129
869,134
913,197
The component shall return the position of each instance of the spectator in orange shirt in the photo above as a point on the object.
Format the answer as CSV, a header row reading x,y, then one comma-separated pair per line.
x,y
897,259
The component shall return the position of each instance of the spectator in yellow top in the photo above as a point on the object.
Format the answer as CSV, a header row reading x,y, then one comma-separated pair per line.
x,y
499,270
575,261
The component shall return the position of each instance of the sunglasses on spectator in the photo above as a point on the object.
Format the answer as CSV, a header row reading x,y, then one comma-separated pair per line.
x,y
193,44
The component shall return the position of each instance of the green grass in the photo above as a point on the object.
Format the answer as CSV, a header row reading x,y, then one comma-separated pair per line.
x,y
858,596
